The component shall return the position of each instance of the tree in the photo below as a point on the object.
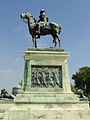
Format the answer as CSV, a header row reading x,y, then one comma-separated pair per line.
x,y
82,80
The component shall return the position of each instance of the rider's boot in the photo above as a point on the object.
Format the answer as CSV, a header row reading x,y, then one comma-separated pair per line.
x,y
38,37
38,29
38,32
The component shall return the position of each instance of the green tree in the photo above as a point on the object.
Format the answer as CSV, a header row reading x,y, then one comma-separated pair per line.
x,y
82,80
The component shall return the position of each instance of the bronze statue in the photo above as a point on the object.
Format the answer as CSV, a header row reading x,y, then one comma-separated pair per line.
x,y
42,27
42,20
5,94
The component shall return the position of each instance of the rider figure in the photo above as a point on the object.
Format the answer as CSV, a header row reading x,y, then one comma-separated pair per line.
x,y
42,19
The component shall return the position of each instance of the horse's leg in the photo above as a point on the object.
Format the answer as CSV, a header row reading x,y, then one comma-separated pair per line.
x,y
59,42
54,41
34,41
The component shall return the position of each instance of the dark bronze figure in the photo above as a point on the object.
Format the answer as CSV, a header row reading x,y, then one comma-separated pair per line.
x,y
42,20
42,27
5,94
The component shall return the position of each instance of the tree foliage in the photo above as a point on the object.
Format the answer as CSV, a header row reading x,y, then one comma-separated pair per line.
x,y
82,80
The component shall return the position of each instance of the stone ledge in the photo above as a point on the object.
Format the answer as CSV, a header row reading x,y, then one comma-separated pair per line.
x,y
46,98
45,49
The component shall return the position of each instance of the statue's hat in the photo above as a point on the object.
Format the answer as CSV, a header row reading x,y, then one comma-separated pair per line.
x,y
42,10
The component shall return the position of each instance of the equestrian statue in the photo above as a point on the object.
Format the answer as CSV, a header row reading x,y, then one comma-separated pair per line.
x,y
42,27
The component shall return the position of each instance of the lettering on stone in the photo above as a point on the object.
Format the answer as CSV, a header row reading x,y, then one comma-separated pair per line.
x,y
46,76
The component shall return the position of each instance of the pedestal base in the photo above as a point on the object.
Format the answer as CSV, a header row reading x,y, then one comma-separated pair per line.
x,y
47,93
63,111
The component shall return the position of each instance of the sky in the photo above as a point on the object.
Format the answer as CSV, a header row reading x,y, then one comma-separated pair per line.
x,y
74,17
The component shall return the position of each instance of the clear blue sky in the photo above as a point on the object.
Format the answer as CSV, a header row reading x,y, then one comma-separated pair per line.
x,y
73,15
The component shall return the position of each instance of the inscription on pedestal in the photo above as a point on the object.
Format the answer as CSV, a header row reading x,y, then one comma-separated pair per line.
x,y
46,76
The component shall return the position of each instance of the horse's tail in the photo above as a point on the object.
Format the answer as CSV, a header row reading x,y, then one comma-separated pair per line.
x,y
59,28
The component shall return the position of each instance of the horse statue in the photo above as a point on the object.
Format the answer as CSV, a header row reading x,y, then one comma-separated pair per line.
x,y
47,28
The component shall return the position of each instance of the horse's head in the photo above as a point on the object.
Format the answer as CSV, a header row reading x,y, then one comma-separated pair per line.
x,y
25,15
28,16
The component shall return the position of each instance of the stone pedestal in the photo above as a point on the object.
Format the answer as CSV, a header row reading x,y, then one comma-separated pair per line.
x,y
47,94
49,63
